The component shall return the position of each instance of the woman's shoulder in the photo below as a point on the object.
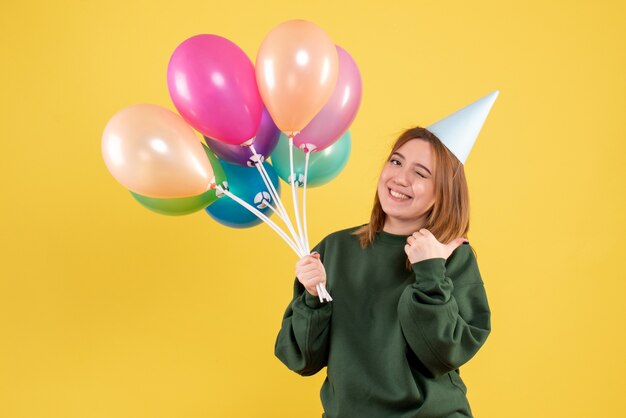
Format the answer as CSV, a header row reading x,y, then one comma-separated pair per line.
x,y
462,252
462,263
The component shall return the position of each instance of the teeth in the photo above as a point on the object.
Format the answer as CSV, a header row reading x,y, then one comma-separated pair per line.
x,y
398,195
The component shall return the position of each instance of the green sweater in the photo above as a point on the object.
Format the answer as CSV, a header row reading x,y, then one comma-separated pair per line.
x,y
392,339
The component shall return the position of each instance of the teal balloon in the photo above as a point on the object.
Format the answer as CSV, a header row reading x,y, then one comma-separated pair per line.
x,y
247,184
323,166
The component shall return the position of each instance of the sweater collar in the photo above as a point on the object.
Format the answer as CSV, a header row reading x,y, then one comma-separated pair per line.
x,y
393,239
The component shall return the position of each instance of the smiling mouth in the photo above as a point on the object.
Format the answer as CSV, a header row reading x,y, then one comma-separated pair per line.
x,y
398,197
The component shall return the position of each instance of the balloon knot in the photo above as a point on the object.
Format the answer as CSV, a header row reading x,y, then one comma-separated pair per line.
x,y
248,142
292,134
308,147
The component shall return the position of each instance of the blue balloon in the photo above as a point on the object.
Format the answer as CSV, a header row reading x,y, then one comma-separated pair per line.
x,y
247,184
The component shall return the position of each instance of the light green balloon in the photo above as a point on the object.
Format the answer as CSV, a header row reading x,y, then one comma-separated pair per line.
x,y
323,166
185,205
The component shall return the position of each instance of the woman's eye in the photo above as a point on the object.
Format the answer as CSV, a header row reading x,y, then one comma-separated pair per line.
x,y
420,174
394,162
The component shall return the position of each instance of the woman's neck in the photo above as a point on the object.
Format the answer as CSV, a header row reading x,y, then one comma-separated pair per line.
x,y
398,227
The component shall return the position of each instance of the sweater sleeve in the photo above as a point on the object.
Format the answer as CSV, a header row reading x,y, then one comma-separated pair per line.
x,y
444,314
302,342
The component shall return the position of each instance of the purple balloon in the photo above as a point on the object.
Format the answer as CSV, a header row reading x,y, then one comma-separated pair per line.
x,y
336,116
266,139
212,83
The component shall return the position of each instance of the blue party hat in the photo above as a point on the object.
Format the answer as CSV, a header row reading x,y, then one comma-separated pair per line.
x,y
459,131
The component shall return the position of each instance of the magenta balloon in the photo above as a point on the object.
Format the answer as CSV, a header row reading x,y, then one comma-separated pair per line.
x,y
212,83
339,112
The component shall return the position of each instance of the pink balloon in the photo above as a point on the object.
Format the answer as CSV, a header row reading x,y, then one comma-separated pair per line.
x,y
212,83
340,110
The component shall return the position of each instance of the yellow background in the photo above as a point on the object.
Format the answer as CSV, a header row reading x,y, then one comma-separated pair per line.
x,y
109,310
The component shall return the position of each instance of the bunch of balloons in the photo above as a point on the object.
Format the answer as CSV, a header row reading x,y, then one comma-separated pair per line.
x,y
302,85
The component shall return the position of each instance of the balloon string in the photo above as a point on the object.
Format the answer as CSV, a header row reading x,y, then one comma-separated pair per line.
x,y
300,243
279,204
266,179
294,194
270,189
321,290
269,205
306,170
268,182
263,218
280,209
279,212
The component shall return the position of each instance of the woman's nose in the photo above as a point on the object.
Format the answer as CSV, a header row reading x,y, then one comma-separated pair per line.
x,y
401,179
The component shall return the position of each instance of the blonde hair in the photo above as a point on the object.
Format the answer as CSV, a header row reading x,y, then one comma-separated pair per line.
x,y
448,217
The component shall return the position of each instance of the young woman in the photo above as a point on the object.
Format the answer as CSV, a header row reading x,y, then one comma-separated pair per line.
x,y
409,306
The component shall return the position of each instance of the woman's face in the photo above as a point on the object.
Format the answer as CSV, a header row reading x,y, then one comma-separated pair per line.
x,y
406,187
